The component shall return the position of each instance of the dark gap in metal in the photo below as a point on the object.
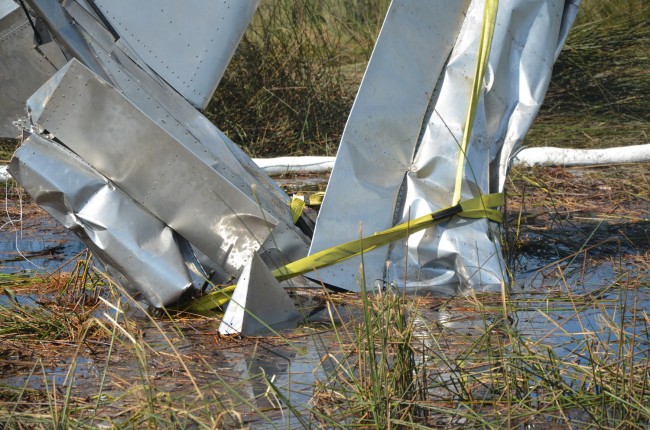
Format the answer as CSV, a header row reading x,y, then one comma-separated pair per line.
x,y
103,19
37,35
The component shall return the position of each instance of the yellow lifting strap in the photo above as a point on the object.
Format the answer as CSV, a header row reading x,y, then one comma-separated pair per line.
x,y
478,207
212,300
316,199
487,30
296,206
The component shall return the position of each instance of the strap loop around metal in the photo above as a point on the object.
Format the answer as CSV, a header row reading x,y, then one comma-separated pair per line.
x,y
478,207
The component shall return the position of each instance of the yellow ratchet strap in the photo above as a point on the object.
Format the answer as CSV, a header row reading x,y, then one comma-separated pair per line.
x,y
478,207
316,199
487,30
212,300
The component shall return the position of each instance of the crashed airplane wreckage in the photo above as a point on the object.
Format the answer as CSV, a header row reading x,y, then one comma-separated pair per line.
x,y
116,149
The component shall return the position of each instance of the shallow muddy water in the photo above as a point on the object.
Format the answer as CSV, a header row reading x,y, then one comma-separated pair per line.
x,y
581,283
30,240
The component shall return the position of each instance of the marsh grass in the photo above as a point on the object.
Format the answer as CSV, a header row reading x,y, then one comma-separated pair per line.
x,y
59,307
7,148
405,362
482,361
375,379
494,373
603,67
555,212
292,80
597,95
45,320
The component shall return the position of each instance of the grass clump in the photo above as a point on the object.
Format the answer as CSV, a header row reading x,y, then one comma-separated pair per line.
x,y
603,67
63,314
597,94
7,148
293,78
401,368
375,381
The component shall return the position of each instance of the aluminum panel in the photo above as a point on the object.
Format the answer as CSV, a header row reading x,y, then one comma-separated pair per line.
x,y
22,67
64,31
146,255
175,114
382,131
162,154
527,52
458,253
121,142
189,44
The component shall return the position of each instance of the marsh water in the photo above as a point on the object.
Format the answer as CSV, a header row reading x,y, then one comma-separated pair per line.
x,y
579,280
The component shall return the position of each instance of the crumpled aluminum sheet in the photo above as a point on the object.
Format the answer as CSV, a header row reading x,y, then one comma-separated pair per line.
x,y
139,250
400,148
83,36
64,31
23,66
106,130
160,155
174,114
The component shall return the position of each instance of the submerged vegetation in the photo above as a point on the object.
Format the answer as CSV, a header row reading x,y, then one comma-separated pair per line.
x,y
566,346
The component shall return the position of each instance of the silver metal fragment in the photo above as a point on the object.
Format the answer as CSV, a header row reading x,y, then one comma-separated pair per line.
x,y
188,44
257,303
24,66
115,112
194,198
400,149
137,248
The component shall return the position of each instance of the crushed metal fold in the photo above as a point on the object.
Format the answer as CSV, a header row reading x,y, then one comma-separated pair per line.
x,y
400,148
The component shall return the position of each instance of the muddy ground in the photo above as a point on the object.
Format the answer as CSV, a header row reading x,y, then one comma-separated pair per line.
x,y
577,241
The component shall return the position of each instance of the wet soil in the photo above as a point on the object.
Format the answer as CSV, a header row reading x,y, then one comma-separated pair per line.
x,y
578,245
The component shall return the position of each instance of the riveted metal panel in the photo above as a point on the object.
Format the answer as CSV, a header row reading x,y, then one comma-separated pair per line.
x,y
99,124
64,31
22,67
176,115
169,176
189,43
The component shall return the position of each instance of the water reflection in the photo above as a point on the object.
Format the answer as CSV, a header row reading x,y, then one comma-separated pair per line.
x,y
35,242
